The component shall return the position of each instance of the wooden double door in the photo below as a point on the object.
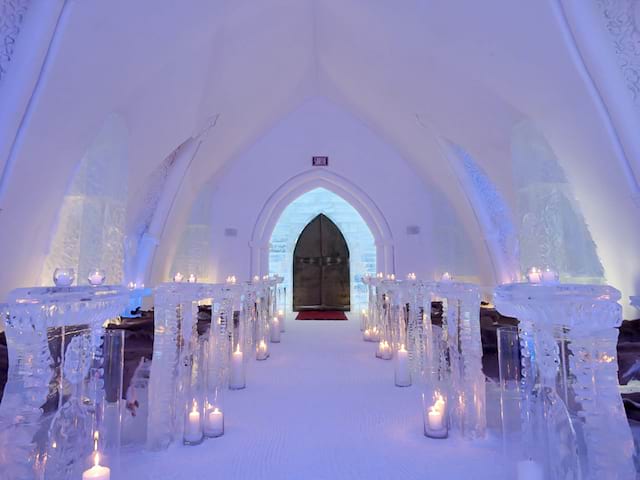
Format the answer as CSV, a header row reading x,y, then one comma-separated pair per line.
x,y
321,279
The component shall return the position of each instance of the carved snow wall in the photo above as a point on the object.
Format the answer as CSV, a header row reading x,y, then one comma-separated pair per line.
x,y
91,223
12,13
552,230
193,254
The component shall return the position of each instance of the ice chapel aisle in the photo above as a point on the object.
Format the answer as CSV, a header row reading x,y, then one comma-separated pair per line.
x,y
321,407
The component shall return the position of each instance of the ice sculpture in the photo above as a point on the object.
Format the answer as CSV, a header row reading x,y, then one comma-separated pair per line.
x,y
54,337
462,351
568,336
174,329
175,341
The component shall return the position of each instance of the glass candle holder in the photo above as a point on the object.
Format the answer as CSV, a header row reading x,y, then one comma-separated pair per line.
x,y
109,420
237,377
275,330
193,428
434,411
262,350
281,320
510,404
63,277
96,277
402,369
193,433
214,412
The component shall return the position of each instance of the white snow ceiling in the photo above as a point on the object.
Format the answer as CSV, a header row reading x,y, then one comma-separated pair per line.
x,y
428,77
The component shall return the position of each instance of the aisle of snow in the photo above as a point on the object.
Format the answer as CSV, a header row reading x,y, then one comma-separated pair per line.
x,y
322,407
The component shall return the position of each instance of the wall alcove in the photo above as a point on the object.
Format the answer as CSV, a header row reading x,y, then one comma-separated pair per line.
x,y
321,278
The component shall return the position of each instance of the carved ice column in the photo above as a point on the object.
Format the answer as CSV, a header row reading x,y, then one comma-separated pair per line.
x,y
54,338
463,356
568,336
175,312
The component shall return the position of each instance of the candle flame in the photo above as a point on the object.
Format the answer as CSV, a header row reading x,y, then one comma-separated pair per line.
x,y
96,460
195,406
216,410
238,348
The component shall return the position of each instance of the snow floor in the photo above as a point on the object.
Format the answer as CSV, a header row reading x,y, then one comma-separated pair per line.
x,y
322,407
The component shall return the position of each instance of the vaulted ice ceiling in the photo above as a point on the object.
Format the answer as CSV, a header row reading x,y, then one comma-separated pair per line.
x,y
215,76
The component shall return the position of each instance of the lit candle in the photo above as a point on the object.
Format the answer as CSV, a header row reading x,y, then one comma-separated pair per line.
x,y
262,350
192,428
237,380
529,470
281,318
380,349
192,278
435,418
386,351
256,279
97,472
402,373
178,277
214,426
131,286
375,334
446,277
534,275
367,335
96,277
275,330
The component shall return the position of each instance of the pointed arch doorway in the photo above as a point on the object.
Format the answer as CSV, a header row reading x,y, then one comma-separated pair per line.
x,y
321,269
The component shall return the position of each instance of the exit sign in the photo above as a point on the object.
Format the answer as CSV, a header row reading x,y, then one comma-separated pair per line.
x,y
320,161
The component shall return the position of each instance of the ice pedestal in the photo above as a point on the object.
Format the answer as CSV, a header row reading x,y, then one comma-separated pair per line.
x,y
462,351
174,339
568,336
55,386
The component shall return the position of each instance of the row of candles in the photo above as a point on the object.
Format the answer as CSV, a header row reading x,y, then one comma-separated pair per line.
x,y
436,390
213,426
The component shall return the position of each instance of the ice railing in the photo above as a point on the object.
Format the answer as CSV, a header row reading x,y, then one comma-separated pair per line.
x,y
54,339
240,312
569,383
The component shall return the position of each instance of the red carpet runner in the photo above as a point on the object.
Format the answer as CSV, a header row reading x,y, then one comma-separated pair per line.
x,y
321,315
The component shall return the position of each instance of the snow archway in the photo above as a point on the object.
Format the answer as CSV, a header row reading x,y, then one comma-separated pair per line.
x,y
296,217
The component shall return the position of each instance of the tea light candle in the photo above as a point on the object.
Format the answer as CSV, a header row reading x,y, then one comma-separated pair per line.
x,y
96,277
534,275
256,279
178,277
215,423
402,373
97,472
275,330
237,380
192,428
529,470
446,277
192,278
131,285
